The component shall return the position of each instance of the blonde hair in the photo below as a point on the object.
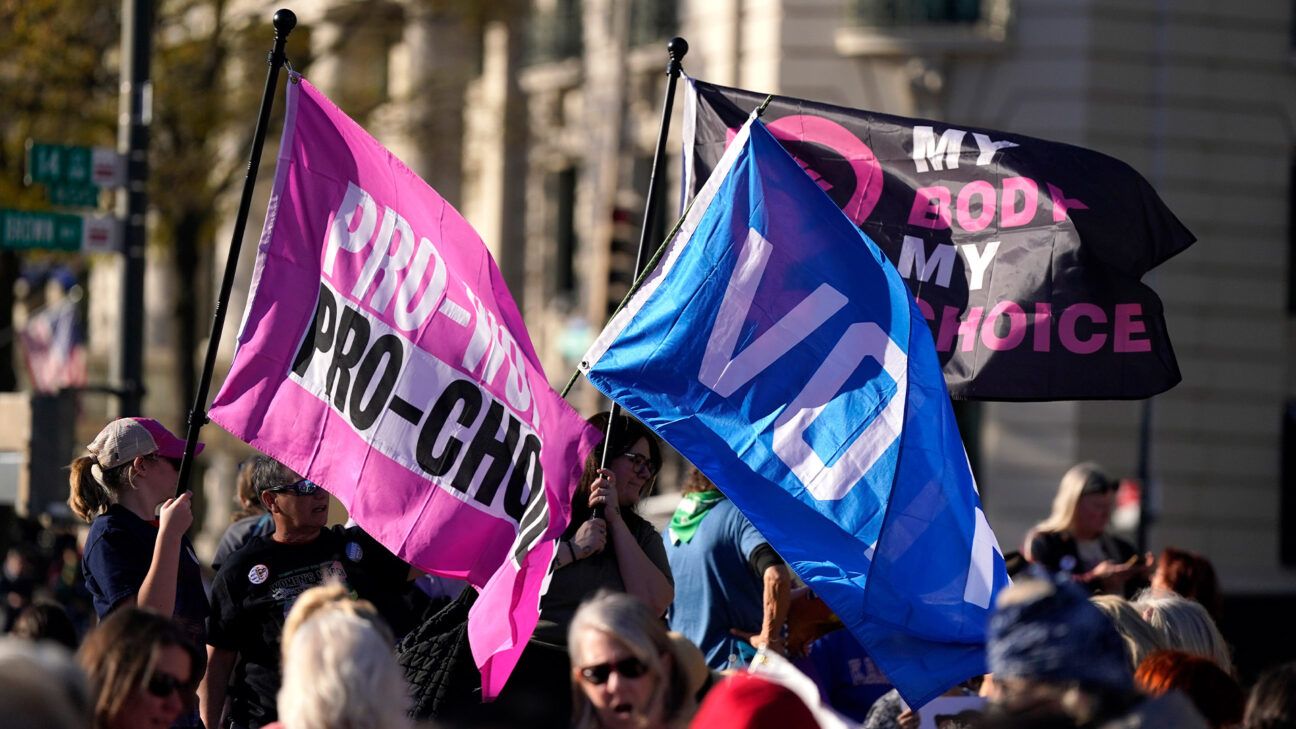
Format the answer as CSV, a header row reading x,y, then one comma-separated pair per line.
x,y
340,672
329,597
1140,638
628,621
1070,488
1185,625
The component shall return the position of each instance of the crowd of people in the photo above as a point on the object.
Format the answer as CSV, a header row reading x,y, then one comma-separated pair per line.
x,y
307,625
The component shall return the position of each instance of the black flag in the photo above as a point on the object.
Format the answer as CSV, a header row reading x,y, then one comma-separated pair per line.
x,y
1025,255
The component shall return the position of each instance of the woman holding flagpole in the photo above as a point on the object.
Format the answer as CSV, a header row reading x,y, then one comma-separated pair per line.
x,y
620,552
137,552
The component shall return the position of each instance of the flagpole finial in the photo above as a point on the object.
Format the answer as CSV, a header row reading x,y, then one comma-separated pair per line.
x,y
284,22
676,49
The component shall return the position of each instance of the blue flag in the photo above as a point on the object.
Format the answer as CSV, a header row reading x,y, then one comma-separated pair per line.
x,y
776,348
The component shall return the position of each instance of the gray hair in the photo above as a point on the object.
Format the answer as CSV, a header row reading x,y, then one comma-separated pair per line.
x,y
267,473
41,687
628,621
1185,625
340,673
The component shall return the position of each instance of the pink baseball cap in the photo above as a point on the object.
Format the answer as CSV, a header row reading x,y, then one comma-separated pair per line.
x,y
126,439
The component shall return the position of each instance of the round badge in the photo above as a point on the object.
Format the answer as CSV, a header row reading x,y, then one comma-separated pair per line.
x,y
258,574
354,552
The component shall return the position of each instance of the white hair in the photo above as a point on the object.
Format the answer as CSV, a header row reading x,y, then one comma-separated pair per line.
x,y
41,687
1185,625
340,673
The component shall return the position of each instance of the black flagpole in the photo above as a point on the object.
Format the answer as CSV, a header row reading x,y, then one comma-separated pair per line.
x,y
284,22
675,49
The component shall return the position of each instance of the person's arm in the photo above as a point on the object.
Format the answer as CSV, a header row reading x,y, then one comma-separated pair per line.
x,y
642,577
213,688
158,590
589,540
778,595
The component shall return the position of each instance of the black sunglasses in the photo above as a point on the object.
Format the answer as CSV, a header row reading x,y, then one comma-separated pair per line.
x,y
304,487
626,667
162,685
639,460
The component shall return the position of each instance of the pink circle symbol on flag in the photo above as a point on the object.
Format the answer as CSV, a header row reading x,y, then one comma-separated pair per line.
x,y
858,160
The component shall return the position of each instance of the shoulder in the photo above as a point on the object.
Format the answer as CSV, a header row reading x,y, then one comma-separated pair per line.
x,y
1036,540
256,550
116,531
640,527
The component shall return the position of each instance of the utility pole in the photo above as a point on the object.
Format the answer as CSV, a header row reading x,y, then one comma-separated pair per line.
x,y
133,142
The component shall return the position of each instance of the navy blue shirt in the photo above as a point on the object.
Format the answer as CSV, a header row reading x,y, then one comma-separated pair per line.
x,y
118,553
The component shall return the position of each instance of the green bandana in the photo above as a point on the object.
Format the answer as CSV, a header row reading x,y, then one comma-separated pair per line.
x,y
687,517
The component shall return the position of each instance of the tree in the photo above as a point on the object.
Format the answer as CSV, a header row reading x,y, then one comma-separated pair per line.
x,y
58,83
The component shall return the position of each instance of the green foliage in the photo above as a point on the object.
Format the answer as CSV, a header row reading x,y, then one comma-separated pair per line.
x,y
58,82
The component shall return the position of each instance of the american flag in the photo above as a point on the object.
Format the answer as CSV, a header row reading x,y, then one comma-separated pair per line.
x,y
54,348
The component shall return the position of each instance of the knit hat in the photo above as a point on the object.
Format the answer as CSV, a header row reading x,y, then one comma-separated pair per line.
x,y
1048,631
126,439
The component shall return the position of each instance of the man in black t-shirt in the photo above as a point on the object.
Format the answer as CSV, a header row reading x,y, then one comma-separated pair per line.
x,y
256,587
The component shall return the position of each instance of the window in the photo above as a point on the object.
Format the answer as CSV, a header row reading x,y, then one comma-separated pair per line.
x,y
564,265
915,12
556,32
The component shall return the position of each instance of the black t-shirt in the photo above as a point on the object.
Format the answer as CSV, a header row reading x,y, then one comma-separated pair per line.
x,y
255,589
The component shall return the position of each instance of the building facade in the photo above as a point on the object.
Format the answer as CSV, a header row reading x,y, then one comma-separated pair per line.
x,y
1196,96
538,120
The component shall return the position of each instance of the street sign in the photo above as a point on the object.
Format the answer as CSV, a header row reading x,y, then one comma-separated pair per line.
x,y
66,164
101,234
22,230
84,196
28,230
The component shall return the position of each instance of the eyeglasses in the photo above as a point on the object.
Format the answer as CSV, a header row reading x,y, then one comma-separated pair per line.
x,y
641,462
162,685
626,667
304,487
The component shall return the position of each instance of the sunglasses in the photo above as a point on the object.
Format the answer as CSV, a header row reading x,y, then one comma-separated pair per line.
x,y
304,487
162,685
626,668
641,463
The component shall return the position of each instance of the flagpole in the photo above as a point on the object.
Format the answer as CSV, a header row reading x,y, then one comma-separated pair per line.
x,y
675,50
284,21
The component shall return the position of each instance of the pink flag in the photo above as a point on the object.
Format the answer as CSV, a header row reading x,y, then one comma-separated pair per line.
x,y
382,356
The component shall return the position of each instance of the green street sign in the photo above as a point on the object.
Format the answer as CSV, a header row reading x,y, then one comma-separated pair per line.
x,y
84,196
21,229
66,164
